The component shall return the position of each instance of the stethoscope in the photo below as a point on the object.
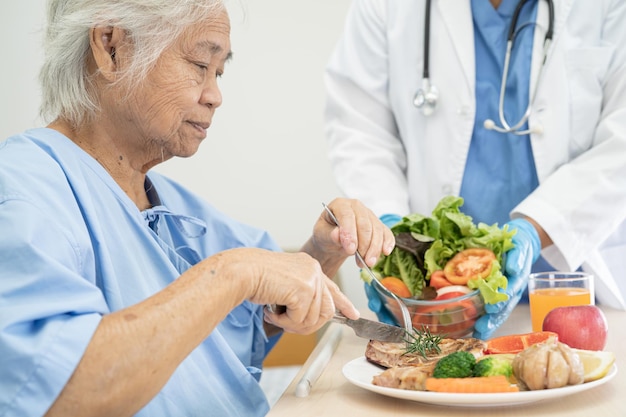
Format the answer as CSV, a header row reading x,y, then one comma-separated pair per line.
x,y
427,96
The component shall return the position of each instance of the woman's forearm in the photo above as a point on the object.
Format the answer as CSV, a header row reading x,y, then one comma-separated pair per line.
x,y
134,351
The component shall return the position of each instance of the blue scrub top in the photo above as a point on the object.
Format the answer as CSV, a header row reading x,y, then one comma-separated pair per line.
x,y
500,169
74,247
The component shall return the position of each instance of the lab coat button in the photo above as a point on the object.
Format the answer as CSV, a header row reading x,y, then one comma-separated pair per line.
x,y
446,189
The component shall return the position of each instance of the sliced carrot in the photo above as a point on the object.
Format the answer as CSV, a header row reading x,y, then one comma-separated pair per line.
x,y
396,286
479,384
515,343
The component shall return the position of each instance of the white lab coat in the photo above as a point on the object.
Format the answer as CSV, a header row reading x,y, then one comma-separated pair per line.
x,y
385,152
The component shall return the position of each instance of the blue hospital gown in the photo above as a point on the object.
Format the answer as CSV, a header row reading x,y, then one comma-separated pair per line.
x,y
74,247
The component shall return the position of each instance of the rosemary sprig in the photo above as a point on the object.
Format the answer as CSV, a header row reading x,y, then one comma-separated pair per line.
x,y
423,342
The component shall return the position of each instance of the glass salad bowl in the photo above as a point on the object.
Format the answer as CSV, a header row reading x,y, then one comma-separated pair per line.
x,y
450,317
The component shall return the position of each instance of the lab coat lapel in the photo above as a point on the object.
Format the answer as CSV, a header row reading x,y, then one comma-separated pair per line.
x,y
457,19
561,11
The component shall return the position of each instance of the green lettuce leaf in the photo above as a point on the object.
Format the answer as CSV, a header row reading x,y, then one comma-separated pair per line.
x,y
489,286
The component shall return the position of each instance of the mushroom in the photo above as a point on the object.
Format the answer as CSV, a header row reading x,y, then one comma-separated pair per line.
x,y
550,364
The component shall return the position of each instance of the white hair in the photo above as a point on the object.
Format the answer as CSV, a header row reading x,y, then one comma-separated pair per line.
x,y
150,25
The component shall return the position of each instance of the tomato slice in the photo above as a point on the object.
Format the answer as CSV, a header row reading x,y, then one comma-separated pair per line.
x,y
438,280
469,264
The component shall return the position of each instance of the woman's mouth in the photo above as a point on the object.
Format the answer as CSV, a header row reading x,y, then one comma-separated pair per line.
x,y
200,127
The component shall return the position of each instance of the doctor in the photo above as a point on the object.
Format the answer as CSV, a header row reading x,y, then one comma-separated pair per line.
x,y
424,101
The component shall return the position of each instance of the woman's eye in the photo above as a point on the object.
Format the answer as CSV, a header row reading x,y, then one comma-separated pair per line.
x,y
203,67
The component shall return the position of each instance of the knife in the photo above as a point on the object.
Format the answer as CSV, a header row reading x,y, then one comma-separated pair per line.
x,y
367,329
373,330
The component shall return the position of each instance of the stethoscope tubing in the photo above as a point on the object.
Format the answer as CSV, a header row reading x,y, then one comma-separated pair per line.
x,y
428,106
426,67
506,128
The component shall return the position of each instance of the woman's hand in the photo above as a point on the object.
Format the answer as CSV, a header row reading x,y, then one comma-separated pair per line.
x,y
300,281
293,280
359,230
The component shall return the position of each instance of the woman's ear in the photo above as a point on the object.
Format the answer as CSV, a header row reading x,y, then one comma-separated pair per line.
x,y
104,42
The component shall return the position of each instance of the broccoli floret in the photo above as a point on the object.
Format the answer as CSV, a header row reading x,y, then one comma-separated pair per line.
x,y
455,365
494,365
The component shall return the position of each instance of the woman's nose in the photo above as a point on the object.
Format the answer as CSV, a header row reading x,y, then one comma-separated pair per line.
x,y
211,94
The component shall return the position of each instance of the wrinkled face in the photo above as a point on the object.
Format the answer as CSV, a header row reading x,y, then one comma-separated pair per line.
x,y
171,110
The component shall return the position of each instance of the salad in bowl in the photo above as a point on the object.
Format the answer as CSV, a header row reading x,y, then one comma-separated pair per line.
x,y
445,268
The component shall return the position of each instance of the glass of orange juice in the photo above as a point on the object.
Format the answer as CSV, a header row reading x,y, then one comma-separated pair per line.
x,y
548,290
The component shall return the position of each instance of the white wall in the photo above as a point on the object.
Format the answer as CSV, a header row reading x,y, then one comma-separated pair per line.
x,y
21,23
264,161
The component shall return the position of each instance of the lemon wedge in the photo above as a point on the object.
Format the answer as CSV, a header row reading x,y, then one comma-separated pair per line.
x,y
595,362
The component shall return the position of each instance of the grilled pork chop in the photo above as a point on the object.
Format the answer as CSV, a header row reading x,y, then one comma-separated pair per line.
x,y
391,355
410,370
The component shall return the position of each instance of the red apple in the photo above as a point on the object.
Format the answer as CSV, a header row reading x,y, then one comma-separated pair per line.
x,y
580,327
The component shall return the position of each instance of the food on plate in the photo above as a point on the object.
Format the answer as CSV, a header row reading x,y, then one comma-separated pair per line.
x,y
444,249
596,363
515,343
391,355
462,364
409,369
582,327
404,377
549,364
422,342
483,384
495,365
544,363
459,364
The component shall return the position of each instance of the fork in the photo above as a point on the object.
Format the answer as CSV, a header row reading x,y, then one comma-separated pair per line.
x,y
406,316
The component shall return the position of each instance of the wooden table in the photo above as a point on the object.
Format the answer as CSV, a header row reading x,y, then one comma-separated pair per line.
x,y
333,395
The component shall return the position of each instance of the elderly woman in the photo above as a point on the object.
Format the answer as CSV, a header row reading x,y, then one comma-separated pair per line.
x,y
122,293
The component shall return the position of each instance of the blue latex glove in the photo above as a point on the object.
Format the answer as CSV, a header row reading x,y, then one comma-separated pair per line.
x,y
375,304
390,220
374,301
518,264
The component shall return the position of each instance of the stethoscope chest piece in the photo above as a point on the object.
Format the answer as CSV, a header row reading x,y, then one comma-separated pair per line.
x,y
426,98
419,99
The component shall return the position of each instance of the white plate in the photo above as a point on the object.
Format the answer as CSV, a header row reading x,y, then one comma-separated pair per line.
x,y
360,372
